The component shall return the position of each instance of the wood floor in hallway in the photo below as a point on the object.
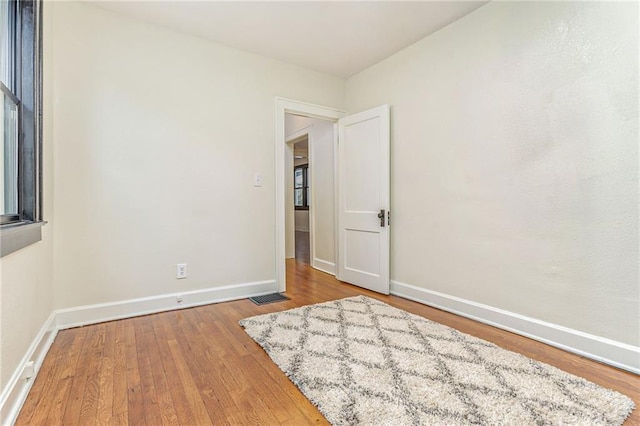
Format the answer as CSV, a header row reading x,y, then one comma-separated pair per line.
x,y
196,366
302,247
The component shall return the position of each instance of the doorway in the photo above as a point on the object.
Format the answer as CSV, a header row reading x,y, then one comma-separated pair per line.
x,y
310,191
302,200
360,190
317,123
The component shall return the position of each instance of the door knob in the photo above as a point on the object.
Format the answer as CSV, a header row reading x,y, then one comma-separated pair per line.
x,y
381,217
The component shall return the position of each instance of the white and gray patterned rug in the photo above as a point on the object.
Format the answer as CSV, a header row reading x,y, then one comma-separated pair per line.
x,y
363,362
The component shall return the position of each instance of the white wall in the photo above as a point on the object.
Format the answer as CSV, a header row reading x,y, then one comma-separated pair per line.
x,y
322,184
26,276
515,161
323,195
157,139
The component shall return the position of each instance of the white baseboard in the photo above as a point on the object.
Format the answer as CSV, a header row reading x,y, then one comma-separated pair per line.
x,y
92,314
324,266
607,351
15,392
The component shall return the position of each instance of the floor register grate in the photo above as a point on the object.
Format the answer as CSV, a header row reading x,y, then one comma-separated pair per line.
x,y
268,298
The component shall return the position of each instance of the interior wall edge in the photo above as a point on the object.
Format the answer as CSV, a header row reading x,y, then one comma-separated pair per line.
x,y
93,314
324,266
15,392
607,351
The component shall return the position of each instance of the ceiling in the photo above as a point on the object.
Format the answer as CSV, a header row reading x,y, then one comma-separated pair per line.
x,y
301,149
340,38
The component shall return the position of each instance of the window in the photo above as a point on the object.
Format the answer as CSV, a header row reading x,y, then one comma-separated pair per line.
x,y
301,187
20,118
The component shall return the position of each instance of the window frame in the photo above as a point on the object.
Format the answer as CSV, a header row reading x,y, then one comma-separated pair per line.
x,y
25,54
305,187
12,217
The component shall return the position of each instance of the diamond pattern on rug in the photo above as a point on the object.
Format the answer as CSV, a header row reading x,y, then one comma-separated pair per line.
x,y
363,362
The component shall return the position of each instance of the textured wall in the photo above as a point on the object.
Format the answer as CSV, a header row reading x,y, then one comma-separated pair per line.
x,y
515,161
158,136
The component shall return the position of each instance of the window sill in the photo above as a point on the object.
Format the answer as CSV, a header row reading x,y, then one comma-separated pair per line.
x,y
19,235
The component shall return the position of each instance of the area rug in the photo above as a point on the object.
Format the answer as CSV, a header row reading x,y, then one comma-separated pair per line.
x,y
363,362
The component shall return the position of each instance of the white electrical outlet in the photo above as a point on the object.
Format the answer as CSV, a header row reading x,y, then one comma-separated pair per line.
x,y
257,180
181,271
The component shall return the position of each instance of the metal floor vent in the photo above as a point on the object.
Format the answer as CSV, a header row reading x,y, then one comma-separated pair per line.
x,y
268,298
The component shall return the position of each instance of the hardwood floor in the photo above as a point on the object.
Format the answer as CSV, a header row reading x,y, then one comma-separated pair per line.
x,y
197,366
302,247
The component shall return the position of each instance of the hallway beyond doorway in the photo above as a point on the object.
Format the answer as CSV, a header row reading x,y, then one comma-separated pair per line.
x,y
302,247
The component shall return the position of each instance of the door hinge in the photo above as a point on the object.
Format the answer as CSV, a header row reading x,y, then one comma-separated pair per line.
x,y
388,218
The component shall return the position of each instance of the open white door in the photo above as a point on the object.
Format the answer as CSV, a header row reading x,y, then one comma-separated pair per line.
x,y
363,199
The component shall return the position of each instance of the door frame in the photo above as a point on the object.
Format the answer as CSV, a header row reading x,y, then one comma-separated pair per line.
x,y
290,141
282,107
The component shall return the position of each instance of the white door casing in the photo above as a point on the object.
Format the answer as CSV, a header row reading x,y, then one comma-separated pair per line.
x,y
283,106
363,193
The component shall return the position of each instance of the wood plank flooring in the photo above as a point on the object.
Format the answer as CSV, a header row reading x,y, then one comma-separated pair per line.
x,y
197,366
302,247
